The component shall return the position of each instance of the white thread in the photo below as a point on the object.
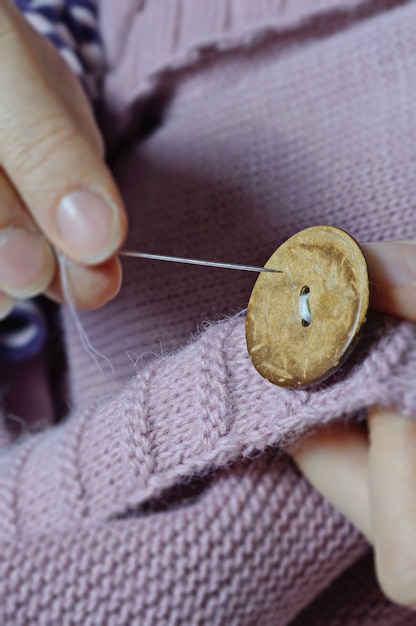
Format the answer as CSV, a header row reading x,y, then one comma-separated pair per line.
x,y
138,361
83,337
16,419
304,310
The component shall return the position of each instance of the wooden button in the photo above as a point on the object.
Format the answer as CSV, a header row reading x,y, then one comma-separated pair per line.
x,y
302,324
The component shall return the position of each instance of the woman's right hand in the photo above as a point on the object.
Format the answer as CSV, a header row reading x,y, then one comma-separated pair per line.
x,y
56,192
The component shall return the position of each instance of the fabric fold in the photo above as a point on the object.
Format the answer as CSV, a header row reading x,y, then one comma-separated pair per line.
x,y
185,415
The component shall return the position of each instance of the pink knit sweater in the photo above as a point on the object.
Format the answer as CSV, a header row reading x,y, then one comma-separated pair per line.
x,y
164,497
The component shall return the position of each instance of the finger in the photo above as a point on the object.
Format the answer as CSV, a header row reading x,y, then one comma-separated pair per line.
x,y
26,260
392,270
392,481
90,286
334,459
6,305
60,176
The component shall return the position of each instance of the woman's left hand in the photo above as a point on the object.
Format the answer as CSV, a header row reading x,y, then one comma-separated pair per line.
x,y
370,474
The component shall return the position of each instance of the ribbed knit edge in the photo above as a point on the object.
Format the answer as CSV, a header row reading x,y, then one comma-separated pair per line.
x,y
159,39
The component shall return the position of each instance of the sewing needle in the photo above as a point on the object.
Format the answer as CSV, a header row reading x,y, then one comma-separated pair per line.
x,y
177,259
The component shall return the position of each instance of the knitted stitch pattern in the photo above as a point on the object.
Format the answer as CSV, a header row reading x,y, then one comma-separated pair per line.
x,y
165,497
289,139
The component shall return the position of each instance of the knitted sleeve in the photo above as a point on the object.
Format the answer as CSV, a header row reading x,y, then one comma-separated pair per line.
x,y
71,25
196,410
99,490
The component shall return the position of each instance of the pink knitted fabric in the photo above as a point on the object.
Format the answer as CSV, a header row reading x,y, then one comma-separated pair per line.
x,y
164,496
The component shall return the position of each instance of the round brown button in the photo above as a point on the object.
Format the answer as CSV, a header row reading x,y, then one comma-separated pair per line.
x,y
303,323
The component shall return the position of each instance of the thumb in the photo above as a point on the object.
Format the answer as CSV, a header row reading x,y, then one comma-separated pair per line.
x,y
392,269
44,150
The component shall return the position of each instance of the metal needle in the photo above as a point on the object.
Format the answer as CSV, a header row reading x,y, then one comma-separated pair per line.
x,y
177,259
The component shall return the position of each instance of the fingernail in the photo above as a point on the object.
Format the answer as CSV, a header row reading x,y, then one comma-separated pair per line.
x,y
26,263
89,226
395,261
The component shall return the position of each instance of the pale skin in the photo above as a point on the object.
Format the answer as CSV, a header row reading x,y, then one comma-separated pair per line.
x,y
370,474
50,147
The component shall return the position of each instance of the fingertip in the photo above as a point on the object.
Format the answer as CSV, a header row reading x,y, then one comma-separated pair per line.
x,y
392,476
27,263
91,287
392,271
91,226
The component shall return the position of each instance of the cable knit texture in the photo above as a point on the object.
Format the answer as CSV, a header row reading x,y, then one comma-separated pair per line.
x,y
164,497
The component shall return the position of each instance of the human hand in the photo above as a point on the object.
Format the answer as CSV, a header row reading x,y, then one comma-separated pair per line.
x,y
55,190
370,474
